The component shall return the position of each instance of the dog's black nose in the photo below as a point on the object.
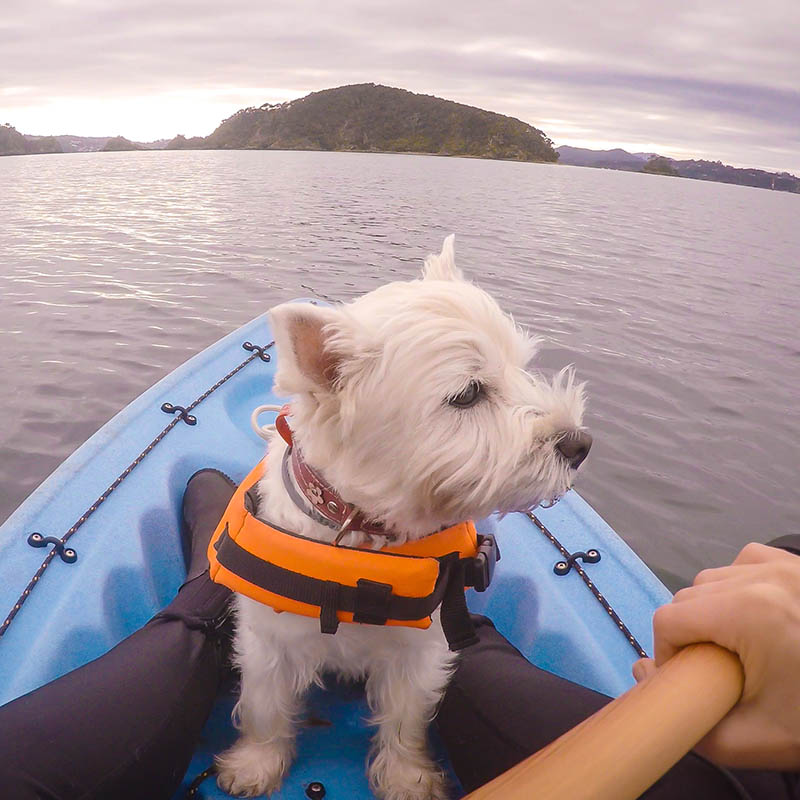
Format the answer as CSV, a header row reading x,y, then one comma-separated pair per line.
x,y
575,446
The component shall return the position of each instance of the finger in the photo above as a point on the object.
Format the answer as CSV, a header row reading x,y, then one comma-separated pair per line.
x,y
643,669
744,570
698,620
756,553
715,574
738,577
752,554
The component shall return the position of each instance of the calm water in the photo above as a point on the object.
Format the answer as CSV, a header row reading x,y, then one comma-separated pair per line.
x,y
677,300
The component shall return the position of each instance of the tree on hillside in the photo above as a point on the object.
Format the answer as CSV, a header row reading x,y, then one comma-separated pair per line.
x,y
659,165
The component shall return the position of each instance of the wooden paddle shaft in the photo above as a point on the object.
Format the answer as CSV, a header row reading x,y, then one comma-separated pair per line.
x,y
629,744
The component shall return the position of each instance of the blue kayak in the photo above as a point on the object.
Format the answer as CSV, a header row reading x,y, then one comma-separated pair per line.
x,y
568,592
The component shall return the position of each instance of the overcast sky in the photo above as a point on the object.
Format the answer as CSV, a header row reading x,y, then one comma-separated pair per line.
x,y
711,79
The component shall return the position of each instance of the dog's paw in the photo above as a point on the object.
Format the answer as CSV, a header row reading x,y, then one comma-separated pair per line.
x,y
408,778
250,769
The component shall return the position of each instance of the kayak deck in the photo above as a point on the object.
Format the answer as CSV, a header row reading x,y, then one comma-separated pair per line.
x,y
129,565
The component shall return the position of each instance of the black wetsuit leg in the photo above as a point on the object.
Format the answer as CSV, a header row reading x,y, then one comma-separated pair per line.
x,y
124,727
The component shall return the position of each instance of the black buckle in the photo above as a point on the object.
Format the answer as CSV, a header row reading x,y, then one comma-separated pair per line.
x,y
372,602
480,574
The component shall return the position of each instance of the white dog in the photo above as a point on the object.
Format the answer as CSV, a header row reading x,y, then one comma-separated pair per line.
x,y
414,403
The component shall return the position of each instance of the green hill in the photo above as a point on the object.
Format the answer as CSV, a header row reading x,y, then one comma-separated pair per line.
x,y
373,118
723,173
659,165
13,143
690,168
117,143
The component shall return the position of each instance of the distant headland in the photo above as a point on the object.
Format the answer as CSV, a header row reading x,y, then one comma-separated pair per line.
x,y
368,117
689,168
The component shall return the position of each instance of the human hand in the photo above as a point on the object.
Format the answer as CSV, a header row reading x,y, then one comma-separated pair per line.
x,y
753,609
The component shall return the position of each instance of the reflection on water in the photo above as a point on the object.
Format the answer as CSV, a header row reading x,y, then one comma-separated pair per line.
x,y
676,299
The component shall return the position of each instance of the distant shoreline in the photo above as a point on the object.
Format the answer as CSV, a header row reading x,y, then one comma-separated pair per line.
x,y
392,153
373,118
285,150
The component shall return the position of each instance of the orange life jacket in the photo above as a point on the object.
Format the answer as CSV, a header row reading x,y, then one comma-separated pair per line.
x,y
399,585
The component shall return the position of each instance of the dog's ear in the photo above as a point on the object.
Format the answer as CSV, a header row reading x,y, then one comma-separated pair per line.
x,y
443,267
306,361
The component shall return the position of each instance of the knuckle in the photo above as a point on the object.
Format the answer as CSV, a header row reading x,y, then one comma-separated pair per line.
x,y
787,571
661,619
765,595
704,576
682,594
780,572
754,551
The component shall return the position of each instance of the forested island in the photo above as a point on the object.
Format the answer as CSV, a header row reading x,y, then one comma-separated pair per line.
x,y
371,118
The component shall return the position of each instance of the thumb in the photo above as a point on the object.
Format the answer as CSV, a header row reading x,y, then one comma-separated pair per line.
x,y
643,669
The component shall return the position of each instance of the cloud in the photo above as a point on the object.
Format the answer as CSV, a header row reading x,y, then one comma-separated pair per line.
x,y
712,79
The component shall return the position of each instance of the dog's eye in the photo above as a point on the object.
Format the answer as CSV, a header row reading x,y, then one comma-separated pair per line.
x,y
468,397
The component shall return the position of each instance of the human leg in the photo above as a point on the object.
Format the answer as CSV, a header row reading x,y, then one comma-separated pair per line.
x,y
125,725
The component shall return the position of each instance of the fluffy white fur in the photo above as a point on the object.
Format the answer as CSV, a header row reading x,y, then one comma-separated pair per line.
x,y
370,383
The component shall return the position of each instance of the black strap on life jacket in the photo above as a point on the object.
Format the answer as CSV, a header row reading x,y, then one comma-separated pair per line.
x,y
372,602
